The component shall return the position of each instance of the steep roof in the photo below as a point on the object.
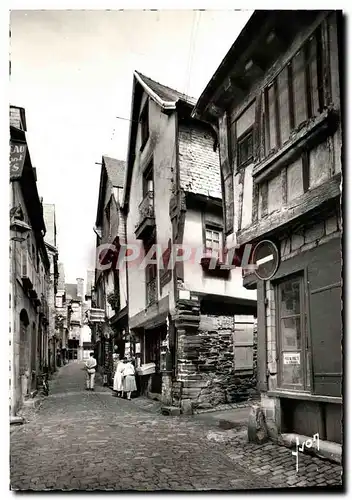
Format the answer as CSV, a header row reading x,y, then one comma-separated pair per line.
x,y
116,170
198,160
166,94
111,170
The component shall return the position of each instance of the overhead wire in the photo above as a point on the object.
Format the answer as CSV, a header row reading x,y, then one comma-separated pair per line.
x,y
196,21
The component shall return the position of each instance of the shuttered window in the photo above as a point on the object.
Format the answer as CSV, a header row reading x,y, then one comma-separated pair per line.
x,y
243,343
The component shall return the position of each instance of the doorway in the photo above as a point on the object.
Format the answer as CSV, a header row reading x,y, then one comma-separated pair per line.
x,y
153,340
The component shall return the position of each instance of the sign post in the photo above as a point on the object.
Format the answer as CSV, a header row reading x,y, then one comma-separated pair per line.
x,y
266,259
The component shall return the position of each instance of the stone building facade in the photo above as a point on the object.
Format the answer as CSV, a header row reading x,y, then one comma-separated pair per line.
x,y
60,339
29,270
110,283
173,197
276,102
53,254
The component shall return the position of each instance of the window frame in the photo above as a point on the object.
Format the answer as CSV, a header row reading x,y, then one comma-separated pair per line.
x,y
239,142
305,349
144,123
208,226
306,49
148,175
151,270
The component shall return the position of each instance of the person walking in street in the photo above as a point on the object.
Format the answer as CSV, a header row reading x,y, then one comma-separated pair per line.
x,y
129,381
118,385
90,366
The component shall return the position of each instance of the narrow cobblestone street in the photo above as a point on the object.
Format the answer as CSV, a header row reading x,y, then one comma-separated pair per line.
x,y
83,440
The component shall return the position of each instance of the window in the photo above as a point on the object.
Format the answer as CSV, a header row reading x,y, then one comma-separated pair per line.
x,y
245,149
118,192
295,95
148,183
107,214
144,120
213,239
293,347
151,272
59,302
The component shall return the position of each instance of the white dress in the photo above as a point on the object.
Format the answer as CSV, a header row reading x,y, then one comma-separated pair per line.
x,y
118,386
129,383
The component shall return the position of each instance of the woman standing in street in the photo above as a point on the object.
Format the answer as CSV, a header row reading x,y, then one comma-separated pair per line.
x,y
129,381
119,365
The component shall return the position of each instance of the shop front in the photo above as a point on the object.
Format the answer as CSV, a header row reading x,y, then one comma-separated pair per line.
x,y
304,332
153,362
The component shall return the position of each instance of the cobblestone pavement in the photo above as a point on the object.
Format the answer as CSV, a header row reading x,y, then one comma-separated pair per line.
x,y
91,440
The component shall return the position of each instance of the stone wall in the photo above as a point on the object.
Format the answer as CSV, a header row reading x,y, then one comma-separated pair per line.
x,y
205,365
221,382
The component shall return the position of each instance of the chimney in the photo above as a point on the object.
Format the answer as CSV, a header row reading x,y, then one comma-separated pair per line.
x,y
80,293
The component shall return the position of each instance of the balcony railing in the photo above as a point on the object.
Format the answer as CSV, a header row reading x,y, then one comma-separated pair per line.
x,y
146,220
152,292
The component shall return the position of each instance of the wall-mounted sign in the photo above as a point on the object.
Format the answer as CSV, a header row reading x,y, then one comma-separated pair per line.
x,y
17,156
96,315
292,358
266,257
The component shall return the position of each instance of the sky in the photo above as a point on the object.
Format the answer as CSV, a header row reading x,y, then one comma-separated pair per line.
x,y
72,71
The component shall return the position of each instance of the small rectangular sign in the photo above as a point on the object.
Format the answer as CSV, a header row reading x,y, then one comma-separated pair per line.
x,y
292,358
17,156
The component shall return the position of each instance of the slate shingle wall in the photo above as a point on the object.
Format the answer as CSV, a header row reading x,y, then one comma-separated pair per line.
x,y
199,163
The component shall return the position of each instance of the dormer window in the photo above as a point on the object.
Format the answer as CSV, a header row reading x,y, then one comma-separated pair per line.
x,y
144,121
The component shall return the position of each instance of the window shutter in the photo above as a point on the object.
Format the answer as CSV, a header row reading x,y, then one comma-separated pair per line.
x,y
243,343
324,276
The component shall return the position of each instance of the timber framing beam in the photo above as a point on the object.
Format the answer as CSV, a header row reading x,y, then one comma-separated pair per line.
x,y
308,202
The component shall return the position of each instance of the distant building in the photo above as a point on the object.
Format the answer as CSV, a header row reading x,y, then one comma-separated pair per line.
x,y
74,295
60,340
110,285
54,339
